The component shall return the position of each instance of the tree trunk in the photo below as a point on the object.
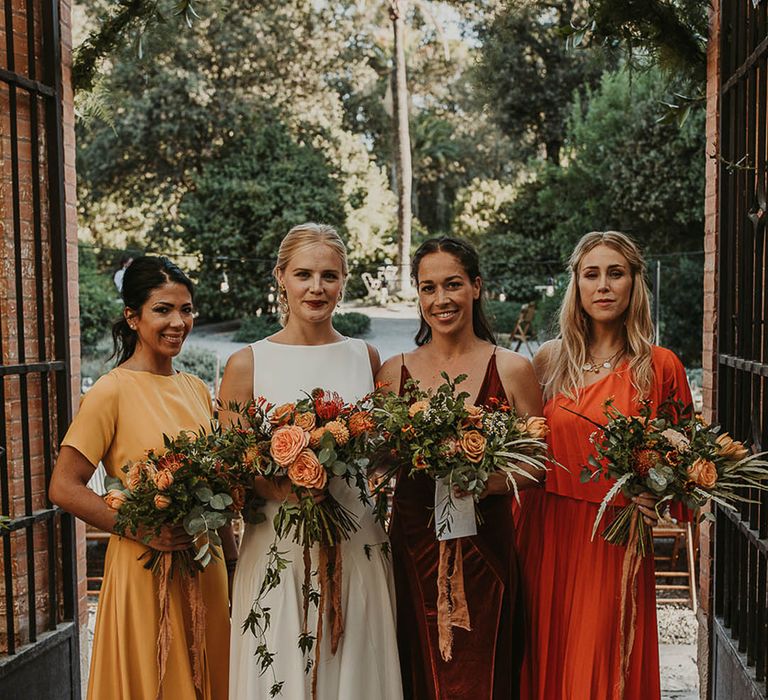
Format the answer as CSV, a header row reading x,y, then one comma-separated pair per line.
x,y
402,145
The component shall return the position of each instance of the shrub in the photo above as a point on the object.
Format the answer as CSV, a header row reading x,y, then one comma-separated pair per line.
x,y
502,314
255,328
197,361
352,324
99,302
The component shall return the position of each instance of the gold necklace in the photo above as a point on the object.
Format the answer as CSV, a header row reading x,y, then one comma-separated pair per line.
x,y
593,366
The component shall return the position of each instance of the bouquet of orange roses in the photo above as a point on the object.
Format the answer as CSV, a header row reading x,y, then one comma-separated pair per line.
x,y
458,444
310,442
674,456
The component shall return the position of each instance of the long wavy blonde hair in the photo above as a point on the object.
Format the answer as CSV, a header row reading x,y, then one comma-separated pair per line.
x,y
564,372
297,239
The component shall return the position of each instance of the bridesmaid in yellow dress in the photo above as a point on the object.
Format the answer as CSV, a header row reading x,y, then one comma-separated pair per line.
x,y
124,414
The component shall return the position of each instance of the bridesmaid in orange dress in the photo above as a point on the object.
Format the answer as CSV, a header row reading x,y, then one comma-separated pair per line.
x,y
573,584
455,337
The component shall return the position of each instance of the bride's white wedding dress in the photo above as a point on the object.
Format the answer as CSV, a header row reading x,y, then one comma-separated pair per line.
x,y
366,664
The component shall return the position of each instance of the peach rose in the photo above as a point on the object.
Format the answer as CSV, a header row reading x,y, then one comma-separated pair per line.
x,y
286,444
306,471
474,417
282,414
703,472
419,462
163,479
417,407
162,501
730,448
473,445
133,478
360,423
115,498
306,421
537,427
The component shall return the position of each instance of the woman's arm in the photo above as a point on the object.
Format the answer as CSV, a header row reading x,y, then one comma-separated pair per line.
x,y
69,490
237,386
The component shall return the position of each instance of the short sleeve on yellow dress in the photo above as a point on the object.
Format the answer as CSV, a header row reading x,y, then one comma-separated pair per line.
x,y
125,414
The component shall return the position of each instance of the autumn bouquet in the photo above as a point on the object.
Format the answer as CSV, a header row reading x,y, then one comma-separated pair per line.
x,y
458,445
309,443
676,457
187,483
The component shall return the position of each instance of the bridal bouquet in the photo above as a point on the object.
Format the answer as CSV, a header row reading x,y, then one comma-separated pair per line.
x,y
308,443
458,444
674,456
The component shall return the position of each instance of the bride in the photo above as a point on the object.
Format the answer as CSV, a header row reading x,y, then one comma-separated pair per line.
x,y
307,353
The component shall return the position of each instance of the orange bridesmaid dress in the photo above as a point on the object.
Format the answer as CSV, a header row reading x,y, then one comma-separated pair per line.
x,y
572,584
125,413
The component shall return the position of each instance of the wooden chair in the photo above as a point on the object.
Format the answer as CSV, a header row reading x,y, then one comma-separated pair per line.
x,y
522,332
684,539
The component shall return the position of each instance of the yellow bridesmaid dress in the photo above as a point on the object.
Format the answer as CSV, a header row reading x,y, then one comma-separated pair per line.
x,y
126,413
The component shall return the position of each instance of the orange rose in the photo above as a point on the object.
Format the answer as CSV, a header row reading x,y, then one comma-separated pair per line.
x,y
282,414
163,479
115,498
417,407
134,475
360,423
419,462
474,417
703,472
339,432
161,501
730,448
472,444
537,427
306,421
286,444
307,472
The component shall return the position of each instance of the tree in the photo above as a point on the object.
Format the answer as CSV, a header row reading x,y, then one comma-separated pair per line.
x,y
403,169
259,183
528,76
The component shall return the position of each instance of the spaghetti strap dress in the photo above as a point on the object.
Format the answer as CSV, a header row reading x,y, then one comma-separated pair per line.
x,y
572,582
486,660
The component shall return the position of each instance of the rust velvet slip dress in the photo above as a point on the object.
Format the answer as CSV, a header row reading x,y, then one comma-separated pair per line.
x,y
572,583
486,660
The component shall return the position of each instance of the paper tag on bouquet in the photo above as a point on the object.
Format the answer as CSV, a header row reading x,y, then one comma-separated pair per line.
x,y
454,515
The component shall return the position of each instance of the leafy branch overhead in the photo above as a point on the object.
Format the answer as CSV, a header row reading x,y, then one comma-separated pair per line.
x,y
671,34
124,18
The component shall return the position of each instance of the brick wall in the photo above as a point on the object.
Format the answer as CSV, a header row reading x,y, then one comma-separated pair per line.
x,y
709,359
20,288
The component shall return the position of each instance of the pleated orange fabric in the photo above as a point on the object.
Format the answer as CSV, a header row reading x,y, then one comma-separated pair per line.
x,y
573,584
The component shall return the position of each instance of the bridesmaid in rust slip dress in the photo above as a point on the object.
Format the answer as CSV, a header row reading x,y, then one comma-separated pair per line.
x,y
455,337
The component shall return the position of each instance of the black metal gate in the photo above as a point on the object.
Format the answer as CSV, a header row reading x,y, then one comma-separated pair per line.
x,y
739,640
39,649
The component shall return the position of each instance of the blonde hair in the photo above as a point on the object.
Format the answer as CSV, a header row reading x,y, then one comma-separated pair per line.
x,y
297,239
564,372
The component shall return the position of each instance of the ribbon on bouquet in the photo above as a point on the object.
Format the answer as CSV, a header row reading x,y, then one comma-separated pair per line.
x,y
194,598
629,571
329,574
452,608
